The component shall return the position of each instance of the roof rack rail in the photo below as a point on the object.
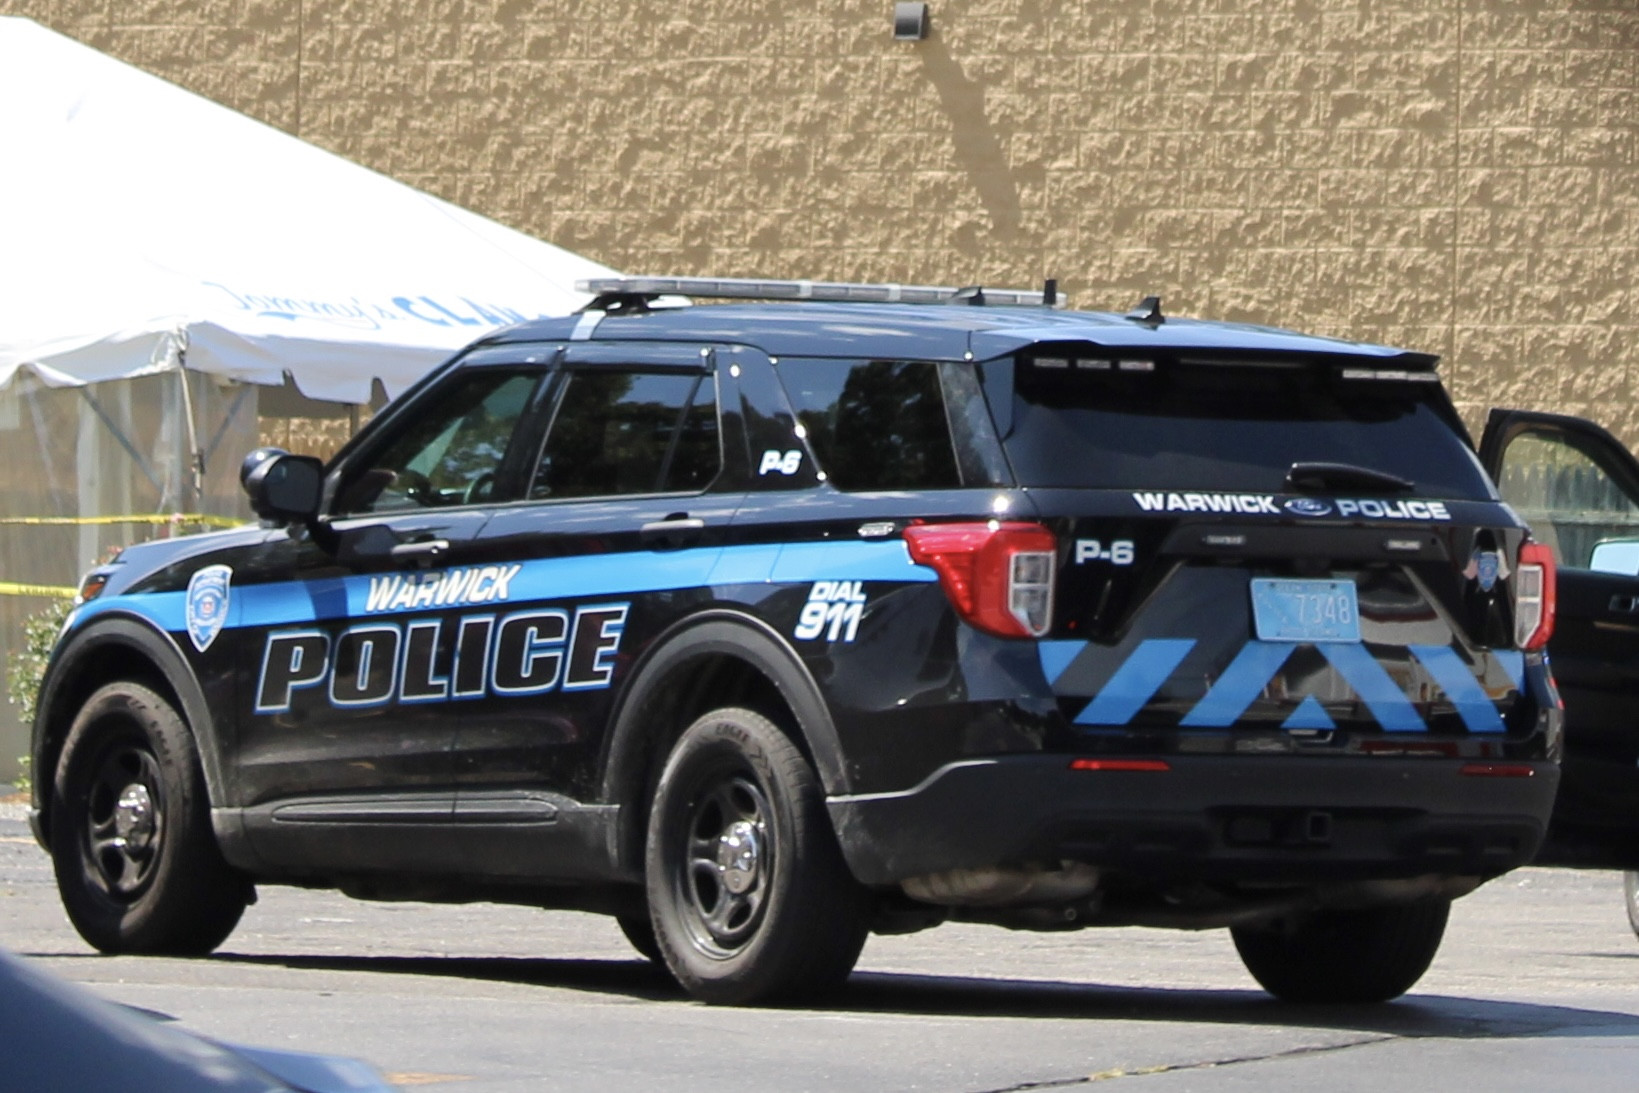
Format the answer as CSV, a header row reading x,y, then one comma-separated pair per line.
x,y
732,288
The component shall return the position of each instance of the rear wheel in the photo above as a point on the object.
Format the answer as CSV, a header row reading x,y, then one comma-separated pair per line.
x,y
137,864
1367,955
750,898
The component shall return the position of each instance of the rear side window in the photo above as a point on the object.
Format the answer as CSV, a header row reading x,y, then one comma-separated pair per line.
x,y
894,425
618,432
1180,425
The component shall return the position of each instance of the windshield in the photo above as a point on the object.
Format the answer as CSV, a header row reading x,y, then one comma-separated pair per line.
x,y
1184,425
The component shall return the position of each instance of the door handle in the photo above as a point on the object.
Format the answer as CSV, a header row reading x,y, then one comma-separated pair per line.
x,y
1624,604
675,531
422,552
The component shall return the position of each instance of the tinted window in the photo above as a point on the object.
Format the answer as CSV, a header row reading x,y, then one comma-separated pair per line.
x,y
450,452
1209,426
625,432
874,425
1571,502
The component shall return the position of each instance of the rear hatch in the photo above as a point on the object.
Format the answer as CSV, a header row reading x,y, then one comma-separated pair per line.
x,y
1268,554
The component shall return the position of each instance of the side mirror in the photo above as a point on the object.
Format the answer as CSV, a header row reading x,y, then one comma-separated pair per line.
x,y
1616,556
283,488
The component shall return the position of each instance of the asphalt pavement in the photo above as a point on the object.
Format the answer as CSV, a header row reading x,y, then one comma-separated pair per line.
x,y
1535,988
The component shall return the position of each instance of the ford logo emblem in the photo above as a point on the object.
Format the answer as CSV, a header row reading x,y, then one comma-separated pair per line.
x,y
1307,506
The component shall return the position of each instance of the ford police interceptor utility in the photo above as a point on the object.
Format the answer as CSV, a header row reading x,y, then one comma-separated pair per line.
x,y
760,626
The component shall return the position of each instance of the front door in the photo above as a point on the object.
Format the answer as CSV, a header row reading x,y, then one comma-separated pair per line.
x,y
1578,488
352,654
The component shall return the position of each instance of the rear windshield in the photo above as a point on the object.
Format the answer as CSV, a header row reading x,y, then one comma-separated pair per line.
x,y
1181,425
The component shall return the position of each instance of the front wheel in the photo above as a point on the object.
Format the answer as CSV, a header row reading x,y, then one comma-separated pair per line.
x,y
136,860
750,898
1368,955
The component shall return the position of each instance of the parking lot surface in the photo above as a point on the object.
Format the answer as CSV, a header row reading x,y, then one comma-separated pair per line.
x,y
1536,987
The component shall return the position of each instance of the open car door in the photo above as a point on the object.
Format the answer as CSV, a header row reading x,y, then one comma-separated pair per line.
x,y
1578,488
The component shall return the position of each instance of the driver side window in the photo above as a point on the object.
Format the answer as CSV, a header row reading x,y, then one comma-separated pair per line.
x,y
449,455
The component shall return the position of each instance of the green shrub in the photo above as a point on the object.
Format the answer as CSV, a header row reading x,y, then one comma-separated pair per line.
x,y
26,666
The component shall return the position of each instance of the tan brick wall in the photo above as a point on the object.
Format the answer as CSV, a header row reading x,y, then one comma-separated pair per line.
x,y
1457,176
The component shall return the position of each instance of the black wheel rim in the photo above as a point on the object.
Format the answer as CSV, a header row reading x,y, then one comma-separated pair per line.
x,y
723,879
124,818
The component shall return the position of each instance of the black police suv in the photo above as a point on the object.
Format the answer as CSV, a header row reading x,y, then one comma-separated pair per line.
x,y
760,626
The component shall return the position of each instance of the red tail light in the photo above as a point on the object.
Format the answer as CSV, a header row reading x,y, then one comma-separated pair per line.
x,y
999,576
1534,596
1155,765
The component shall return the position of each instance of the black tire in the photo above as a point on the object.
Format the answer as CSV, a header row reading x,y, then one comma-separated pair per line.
x,y
137,864
640,932
750,898
1630,891
1368,955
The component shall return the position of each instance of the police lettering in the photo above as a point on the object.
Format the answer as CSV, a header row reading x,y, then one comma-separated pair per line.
x,y
438,660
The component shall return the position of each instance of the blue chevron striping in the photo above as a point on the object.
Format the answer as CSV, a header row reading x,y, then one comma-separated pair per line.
x,y
1056,657
1136,681
1310,714
1381,694
1239,685
1475,707
1512,661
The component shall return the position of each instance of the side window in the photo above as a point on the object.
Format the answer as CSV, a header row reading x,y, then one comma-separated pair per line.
x,y
451,452
874,425
620,432
1572,502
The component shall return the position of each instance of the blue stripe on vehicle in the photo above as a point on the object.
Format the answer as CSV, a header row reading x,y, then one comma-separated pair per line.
x,y
886,560
1056,657
1310,715
538,579
1136,681
1512,661
1478,711
1241,683
1381,694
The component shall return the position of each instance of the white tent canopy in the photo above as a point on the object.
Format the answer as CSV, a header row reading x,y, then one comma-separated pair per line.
x,y
146,229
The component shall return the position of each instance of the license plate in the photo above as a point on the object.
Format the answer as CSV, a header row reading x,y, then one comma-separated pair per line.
x,y
1300,610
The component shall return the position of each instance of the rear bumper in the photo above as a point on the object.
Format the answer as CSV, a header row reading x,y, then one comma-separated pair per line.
x,y
1226,818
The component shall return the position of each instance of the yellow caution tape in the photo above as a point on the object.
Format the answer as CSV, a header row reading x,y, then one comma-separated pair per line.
x,y
8,588
146,518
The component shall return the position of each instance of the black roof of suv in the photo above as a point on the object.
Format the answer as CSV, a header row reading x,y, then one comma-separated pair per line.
x,y
761,625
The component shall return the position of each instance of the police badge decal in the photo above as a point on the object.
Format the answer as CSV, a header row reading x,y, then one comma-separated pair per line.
x,y
207,606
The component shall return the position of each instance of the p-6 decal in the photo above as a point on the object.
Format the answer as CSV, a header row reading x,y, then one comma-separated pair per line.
x,y
1116,552
776,461
381,663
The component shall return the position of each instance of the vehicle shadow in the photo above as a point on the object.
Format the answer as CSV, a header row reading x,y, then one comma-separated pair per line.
x,y
1414,1016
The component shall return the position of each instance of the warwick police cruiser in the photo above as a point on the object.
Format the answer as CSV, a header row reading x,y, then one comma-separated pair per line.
x,y
764,625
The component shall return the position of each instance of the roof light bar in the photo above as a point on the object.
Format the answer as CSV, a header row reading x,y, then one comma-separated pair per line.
x,y
731,288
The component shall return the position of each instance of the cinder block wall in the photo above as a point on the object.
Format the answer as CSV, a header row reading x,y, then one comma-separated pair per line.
x,y
1453,175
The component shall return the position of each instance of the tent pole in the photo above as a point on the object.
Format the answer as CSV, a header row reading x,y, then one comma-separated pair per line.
x,y
196,458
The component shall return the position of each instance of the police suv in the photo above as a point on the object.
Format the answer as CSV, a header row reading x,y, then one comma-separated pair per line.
x,y
761,626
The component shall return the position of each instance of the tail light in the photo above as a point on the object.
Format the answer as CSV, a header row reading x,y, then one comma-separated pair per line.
x,y
1534,596
999,576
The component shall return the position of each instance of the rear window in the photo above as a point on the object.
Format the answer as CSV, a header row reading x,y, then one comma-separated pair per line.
x,y
1184,425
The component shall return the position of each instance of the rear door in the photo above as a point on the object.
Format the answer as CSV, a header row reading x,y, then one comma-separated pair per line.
x,y
1578,488
626,498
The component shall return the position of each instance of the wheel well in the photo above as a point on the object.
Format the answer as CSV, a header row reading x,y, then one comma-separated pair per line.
x,y
670,705
107,663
